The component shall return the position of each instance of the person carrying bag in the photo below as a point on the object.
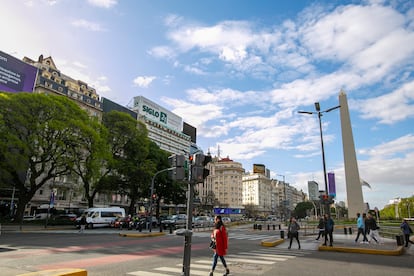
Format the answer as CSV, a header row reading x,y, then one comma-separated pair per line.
x,y
219,242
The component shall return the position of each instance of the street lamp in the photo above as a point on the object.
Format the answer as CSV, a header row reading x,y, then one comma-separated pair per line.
x,y
152,192
319,112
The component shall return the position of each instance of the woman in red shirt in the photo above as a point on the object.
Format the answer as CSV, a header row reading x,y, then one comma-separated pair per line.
x,y
219,236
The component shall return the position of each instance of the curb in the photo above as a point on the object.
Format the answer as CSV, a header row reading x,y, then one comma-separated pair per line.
x,y
396,252
272,243
142,235
58,272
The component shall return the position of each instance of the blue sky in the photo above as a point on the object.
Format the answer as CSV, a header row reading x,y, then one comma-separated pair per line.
x,y
240,70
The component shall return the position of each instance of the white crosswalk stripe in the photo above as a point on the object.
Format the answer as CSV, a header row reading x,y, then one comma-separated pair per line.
x,y
251,237
265,256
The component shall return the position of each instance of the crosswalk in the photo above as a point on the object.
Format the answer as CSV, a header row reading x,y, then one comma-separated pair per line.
x,y
240,236
255,258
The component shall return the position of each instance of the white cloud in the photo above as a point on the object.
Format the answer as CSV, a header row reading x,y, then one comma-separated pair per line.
x,y
162,52
389,108
144,81
103,3
88,25
348,30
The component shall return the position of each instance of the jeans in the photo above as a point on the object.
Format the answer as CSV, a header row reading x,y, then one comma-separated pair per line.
x,y
328,234
215,258
361,231
294,235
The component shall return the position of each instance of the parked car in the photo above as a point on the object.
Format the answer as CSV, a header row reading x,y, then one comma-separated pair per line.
x,y
69,217
101,217
175,221
203,221
28,218
120,222
226,219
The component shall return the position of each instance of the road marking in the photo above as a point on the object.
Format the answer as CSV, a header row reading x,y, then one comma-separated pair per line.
x,y
202,266
266,255
147,273
263,257
198,266
180,270
231,259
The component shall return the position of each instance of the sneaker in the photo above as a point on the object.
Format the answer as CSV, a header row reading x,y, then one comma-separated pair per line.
x,y
227,272
211,273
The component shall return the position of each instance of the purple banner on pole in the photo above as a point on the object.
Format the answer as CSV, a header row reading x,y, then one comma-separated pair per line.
x,y
331,181
16,75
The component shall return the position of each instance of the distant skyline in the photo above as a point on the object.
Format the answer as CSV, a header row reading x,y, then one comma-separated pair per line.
x,y
239,71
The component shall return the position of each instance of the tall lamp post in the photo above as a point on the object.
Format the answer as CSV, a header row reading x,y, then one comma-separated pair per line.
x,y
319,113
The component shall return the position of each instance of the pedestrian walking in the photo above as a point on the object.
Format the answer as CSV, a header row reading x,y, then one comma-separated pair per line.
x,y
407,232
82,223
293,231
371,224
321,227
220,238
329,227
361,229
366,229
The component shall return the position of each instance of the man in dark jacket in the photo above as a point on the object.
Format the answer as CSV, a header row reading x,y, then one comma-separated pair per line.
x,y
329,227
371,224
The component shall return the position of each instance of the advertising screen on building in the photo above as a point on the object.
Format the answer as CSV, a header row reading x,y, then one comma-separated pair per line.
x,y
259,168
190,131
16,75
156,113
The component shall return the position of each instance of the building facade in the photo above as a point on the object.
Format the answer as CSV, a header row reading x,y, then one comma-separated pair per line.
x,y
164,127
51,81
223,186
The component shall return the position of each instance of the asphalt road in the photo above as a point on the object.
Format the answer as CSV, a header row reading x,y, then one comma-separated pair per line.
x,y
105,252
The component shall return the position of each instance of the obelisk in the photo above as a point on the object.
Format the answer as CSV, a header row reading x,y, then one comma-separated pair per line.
x,y
352,179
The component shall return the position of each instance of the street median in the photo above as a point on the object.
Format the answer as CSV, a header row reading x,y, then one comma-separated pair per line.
x,y
390,252
272,242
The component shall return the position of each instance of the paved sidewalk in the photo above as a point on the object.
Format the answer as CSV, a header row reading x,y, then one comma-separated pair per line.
x,y
346,243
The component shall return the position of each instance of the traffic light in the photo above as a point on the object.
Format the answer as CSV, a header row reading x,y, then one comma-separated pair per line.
x,y
177,163
198,171
325,199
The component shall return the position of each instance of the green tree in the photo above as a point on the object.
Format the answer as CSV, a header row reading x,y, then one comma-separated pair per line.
x,y
302,208
92,158
129,144
38,133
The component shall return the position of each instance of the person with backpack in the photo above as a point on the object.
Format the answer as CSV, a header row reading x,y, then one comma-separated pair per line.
x,y
321,227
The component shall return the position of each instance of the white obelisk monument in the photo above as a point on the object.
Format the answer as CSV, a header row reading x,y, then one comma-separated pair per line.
x,y
352,179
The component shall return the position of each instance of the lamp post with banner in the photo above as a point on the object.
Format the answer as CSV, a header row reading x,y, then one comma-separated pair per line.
x,y
319,113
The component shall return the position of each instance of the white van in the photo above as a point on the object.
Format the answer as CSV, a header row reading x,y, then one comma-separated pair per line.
x,y
102,217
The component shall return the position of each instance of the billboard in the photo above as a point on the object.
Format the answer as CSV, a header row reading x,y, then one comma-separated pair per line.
x,y
156,113
190,131
16,75
108,105
259,168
